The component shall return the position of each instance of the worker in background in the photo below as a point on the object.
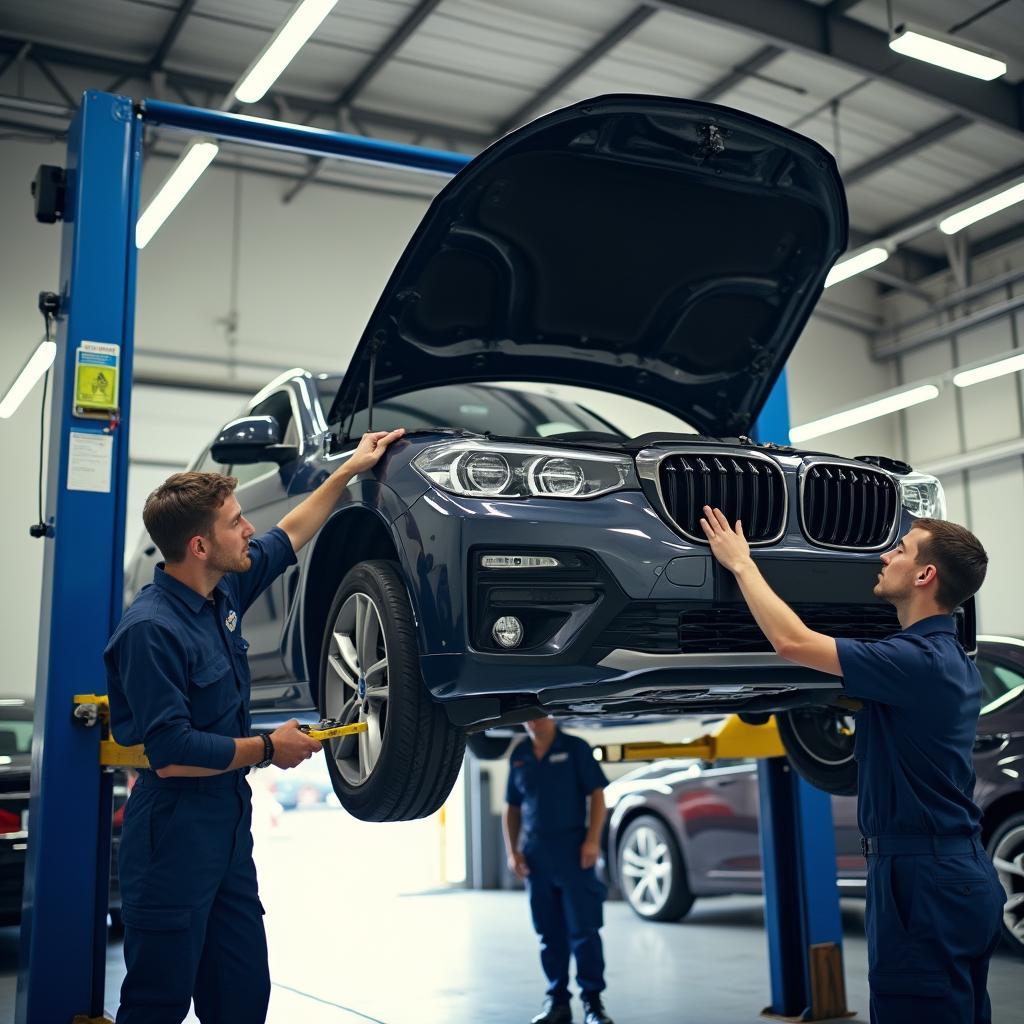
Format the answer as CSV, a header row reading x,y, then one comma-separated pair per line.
x,y
934,901
553,845
179,683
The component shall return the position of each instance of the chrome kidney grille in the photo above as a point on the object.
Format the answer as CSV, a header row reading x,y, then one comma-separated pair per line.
x,y
848,506
742,486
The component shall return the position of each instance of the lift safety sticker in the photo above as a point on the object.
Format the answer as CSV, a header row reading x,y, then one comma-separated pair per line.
x,y
96,365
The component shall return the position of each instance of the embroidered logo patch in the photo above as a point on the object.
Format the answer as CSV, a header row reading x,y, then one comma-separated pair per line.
x,y
558,758
231,621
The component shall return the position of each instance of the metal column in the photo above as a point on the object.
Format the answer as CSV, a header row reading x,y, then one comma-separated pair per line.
x,y
798,856
65,901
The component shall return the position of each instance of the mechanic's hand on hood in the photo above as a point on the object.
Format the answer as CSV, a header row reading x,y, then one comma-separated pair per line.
x,y
371,447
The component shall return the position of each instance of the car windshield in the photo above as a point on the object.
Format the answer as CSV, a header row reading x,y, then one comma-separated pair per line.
x,y
15,731
500,411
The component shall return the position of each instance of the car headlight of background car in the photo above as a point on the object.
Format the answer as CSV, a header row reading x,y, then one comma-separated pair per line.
x,y
923,496
482,469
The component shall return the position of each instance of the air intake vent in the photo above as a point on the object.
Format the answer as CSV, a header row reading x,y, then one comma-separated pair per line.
x,y
742,486
848,506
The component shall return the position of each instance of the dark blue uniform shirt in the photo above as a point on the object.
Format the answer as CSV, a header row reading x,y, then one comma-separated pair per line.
x,y
177,672
554,791
915,733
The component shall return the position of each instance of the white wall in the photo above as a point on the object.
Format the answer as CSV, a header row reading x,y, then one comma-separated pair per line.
x,y
307,276
987,499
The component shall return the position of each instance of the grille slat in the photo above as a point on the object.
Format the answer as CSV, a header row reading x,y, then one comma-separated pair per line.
x,y
848,507
742,486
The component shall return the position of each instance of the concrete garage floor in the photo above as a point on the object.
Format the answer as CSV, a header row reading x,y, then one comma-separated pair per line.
x,y
375,954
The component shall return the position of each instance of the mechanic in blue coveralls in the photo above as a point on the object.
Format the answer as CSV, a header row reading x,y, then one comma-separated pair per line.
x,y
179,683
934,901
553,819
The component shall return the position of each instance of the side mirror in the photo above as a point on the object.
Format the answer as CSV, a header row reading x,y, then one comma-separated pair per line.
x,y
252,439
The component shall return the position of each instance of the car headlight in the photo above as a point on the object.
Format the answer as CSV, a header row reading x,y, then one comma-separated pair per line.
x,y
483,469
923,496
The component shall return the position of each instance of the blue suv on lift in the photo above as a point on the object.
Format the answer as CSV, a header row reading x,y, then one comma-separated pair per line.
x,y
515,555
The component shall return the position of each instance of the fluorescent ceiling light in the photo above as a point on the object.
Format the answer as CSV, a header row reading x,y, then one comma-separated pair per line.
x,y
863,413
856,264
39,362
278,53
979,211
947,52
185,173
1011,364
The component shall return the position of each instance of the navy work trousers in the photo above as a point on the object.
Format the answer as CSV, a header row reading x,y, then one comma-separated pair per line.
x,y
566,903
193,922
933,924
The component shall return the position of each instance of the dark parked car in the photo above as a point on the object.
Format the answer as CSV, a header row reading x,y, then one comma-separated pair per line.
x,y
15,779
681,829
513,555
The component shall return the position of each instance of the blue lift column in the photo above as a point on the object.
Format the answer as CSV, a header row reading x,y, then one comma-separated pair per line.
x,y
63,936
798,856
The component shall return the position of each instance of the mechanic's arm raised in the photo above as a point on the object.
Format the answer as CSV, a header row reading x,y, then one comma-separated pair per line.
x,y
784,629
302,523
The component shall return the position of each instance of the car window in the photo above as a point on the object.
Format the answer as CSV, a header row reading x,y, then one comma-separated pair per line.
x,y
1000,683
480,409
280,407
208,464
15,737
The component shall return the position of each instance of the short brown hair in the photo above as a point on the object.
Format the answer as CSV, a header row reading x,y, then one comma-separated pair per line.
x,y
184,505
958,556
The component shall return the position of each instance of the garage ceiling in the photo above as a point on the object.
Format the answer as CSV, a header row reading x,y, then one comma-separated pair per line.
x,y
910,139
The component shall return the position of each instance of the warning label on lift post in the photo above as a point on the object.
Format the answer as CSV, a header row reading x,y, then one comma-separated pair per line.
x,y
96,367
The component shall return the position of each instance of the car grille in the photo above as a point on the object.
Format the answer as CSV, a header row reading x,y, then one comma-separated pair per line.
x,y
668,626
848,506
743,487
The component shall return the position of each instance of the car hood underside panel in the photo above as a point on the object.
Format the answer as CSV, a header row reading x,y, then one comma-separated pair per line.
x,y
663,249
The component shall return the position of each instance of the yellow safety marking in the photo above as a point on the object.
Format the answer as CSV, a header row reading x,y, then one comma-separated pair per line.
x,y
732,740
334,731
112,754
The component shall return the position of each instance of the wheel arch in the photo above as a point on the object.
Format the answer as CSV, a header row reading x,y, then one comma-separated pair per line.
x,y
998,811
351,536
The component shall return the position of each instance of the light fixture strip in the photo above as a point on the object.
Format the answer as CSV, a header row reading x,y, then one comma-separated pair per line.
x,y
304,20
862,413
856,264
979,211
989,371
947,52
185,173
38,363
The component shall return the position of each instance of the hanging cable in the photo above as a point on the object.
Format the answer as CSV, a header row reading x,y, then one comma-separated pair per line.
x,y
49,304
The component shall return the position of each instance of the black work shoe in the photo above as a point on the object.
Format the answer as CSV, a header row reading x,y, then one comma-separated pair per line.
x,y
593,1011
553,1013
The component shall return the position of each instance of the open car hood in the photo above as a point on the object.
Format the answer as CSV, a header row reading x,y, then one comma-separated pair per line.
x,y
667,250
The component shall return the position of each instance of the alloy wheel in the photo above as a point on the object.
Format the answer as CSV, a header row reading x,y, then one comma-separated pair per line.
x,y
1008,858
825,734
646,871
356,686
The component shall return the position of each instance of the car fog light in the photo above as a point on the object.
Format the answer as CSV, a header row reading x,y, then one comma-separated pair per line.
x,y
518,562
507,631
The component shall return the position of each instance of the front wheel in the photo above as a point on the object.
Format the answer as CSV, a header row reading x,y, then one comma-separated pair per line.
x,y
403,766
819,745
1006,848
652,875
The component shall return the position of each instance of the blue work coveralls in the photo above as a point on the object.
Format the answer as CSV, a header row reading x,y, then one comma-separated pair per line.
x,y
178,681
934,901
566,901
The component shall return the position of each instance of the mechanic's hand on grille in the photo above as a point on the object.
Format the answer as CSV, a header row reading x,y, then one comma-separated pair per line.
x,y
728,545
371,447
292,747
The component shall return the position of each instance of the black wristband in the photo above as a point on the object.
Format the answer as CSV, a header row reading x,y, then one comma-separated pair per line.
x,y
268,751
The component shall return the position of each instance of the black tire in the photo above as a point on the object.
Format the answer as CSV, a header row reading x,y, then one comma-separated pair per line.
x,y
819,745
419,751
1007,843
677,900
487,748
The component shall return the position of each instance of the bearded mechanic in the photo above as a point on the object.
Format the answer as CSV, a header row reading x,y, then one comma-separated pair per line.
x,y
178,681
934,901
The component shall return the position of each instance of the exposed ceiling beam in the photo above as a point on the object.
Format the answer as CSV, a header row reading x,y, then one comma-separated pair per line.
x,y
749,67
912,145
840,6
584,62
156,62
57,84
813,29
139,71
419,14
14,58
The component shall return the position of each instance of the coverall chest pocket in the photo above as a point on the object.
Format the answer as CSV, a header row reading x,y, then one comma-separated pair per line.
x,y
212,689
